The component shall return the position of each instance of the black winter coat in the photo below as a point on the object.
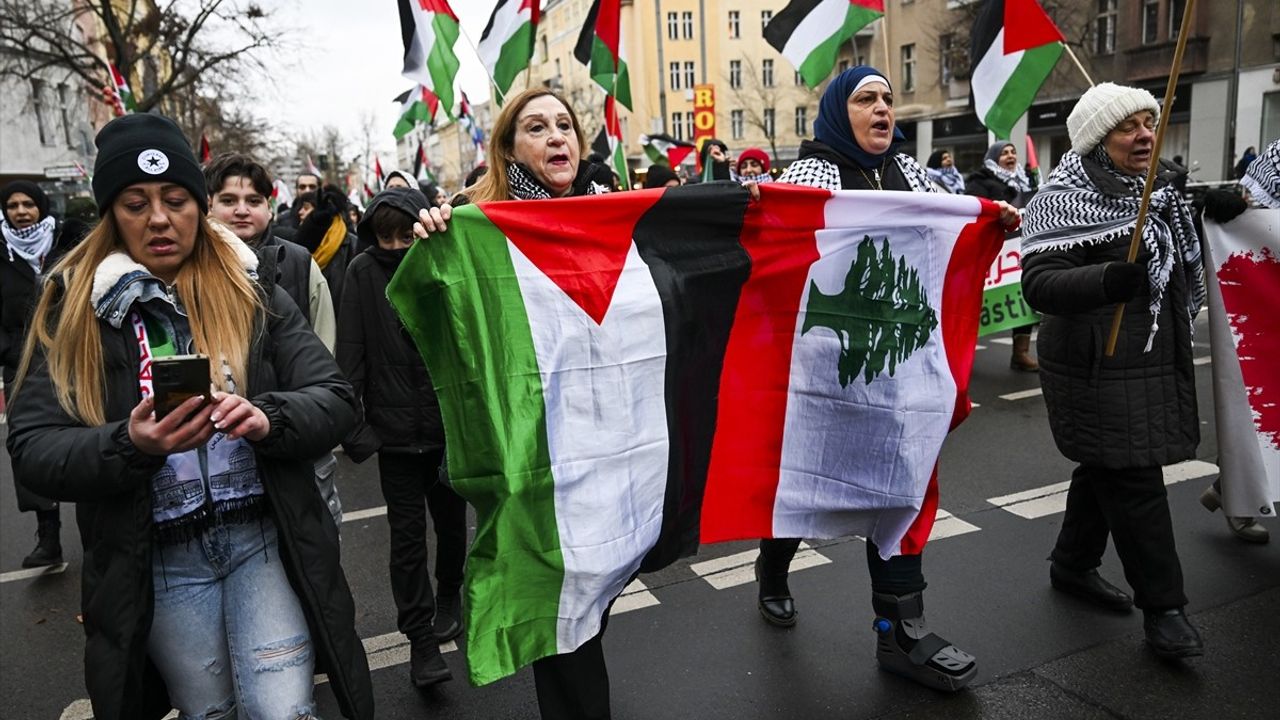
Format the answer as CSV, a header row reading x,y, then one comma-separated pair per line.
x,y
294,265
1134,409
401,412
18,294
985,184
296,383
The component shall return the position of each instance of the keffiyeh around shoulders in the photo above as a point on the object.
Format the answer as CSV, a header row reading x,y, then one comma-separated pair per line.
x,y
1086,201
1262,179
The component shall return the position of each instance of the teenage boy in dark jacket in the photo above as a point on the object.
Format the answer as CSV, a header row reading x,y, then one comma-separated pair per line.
x,y
401,422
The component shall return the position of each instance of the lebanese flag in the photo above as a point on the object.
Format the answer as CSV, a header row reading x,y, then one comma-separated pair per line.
x,y
600,48
1014,48
416,106
809,33
1242,275
506,46
124,100
429,29
622,376
663,149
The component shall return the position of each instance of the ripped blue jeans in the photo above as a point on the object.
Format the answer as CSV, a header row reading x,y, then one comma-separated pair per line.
x,y
228,635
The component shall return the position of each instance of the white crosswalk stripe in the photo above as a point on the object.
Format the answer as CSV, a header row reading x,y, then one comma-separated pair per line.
x,y
1052,499
33,572
1022,395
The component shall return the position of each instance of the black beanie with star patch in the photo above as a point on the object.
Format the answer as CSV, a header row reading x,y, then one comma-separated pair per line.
x,y
142,147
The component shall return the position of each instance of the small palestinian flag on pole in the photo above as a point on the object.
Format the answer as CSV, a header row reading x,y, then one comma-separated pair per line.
x,y
124,99
368,192
1015,46
663,149
711,357
205,153
600,49
422,165
617,151
312,169
809,33
280,193
506,47
416,106
429,29
377,170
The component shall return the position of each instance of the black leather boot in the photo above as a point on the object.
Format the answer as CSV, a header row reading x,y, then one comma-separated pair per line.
x,y
776,605
448,623
48,549
426,665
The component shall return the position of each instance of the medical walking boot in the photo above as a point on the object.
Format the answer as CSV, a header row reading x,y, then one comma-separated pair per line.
x,y
905,646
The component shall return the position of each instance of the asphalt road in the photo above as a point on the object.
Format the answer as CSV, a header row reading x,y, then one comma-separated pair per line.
x,y
687,641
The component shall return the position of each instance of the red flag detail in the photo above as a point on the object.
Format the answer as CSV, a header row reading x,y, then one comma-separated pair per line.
x,y
438,6
1026,26
1250,285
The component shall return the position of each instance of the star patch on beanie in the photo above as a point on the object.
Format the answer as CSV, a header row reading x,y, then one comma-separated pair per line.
x,y
142,147
1101,108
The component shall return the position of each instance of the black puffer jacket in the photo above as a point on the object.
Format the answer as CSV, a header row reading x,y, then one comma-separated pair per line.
x,y
401,413
18,292
295,381
1134,409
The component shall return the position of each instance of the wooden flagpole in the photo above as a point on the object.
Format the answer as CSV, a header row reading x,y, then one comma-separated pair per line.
x,y
884,20
1165,111
1079,67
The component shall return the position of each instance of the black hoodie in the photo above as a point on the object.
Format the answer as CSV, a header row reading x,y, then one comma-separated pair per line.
x,y
400,410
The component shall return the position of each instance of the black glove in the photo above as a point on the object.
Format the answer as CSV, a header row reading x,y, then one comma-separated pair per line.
x,y
1222,206
1122,281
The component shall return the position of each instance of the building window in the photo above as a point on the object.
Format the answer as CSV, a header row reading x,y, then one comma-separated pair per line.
x,y
946,43
675,76
766,72
1176,8
689,79
735,25
1104,28
673,26
1150,21
769,125
543,46
64,103
908,68
799,78
765,17
677,127
802,121
688,125
736,124
735,74
844,65
42,112
686,19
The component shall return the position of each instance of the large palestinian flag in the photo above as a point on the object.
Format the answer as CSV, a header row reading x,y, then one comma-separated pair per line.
x,y
1244,259
809,33
622,377
1014,48
600,48
429,29
506,46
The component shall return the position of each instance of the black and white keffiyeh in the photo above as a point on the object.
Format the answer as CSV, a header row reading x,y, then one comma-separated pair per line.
x,y
526,187
31,243
1262,179
1071,210
949,177
821,173
1017,179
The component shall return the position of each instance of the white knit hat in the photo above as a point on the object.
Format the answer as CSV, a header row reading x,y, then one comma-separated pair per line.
x,y
1101,109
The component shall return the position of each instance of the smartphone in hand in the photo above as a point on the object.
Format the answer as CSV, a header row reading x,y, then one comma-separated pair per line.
x,y
178,378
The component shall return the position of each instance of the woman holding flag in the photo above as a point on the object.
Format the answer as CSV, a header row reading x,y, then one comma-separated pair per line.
x,y
855,147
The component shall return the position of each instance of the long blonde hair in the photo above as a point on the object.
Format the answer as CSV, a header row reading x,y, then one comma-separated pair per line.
x,y
220,299
494,185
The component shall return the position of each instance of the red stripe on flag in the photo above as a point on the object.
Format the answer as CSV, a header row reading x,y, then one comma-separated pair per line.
x,y
742,480
438,6
1026,26
607,26
961,308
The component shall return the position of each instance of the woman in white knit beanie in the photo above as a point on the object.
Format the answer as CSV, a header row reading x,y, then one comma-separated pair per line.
x,y
1120,417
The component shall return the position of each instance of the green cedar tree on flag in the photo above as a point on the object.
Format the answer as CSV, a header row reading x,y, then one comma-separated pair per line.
x,y
416,106
1015,46
809,33
663,149
506,46
124,100
600,49
429,29
624,376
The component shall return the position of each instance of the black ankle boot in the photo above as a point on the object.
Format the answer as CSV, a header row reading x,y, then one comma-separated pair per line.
x,y
48,549
905,646
448,623
776,605
426,665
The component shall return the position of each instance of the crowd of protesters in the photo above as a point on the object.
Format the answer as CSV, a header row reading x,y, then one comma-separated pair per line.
x,y
211,534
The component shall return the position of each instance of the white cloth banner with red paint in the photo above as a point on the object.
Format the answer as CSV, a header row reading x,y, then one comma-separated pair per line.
x,y
1242,272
